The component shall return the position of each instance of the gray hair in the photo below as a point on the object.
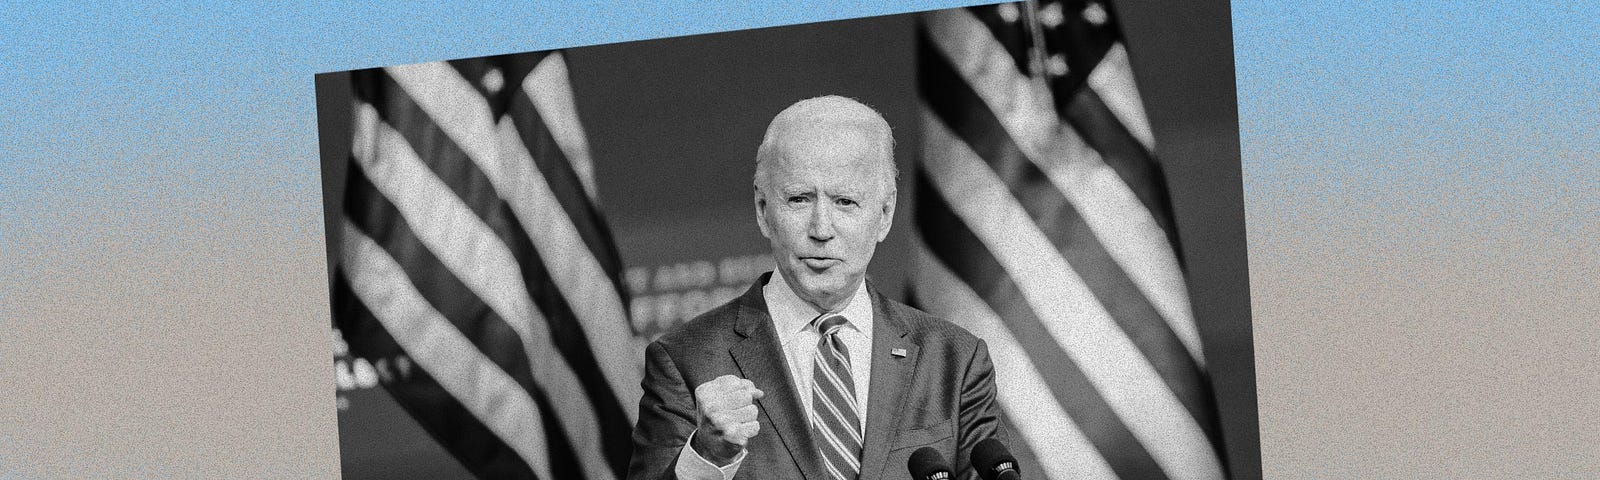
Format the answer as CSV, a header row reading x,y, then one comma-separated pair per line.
x,y
830,110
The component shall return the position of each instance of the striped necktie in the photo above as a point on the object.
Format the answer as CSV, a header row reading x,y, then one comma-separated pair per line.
x,y
834,423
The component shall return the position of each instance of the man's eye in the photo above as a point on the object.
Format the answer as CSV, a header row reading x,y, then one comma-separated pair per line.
x,y
798,199
844,202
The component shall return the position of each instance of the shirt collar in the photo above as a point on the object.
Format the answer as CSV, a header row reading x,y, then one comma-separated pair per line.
x,y
790,314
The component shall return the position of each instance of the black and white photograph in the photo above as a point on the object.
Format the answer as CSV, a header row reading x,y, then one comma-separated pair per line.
x,y
982,242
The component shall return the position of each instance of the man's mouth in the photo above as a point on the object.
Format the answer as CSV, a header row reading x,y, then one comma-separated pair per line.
x,y
819,263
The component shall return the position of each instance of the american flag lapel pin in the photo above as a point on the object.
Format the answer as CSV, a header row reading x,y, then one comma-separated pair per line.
x,y
898,352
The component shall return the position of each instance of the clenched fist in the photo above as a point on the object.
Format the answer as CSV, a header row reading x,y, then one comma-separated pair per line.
x,y
727,418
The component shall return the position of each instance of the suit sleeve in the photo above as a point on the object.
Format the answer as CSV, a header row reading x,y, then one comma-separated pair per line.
x,y
666,418
980,413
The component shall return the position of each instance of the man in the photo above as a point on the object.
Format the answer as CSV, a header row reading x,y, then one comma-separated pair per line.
x,y
813,374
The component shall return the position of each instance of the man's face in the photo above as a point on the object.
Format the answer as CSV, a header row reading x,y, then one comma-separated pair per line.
x,y
824,206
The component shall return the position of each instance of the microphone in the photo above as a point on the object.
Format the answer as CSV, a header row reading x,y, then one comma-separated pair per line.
x,y
994,462
927,464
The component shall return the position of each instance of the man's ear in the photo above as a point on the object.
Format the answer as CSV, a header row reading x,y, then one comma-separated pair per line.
x,y
888,216
761,217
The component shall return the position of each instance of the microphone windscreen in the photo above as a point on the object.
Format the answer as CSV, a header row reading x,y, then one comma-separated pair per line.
x,y
991,457
927,464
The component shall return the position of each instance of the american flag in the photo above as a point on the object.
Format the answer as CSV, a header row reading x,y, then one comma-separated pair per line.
x,y
1045,229
472,246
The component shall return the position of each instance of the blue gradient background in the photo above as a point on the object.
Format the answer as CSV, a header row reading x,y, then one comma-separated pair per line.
x,y
1420,185
1422,195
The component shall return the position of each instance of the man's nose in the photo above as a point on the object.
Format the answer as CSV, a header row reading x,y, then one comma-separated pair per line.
x,y
821,228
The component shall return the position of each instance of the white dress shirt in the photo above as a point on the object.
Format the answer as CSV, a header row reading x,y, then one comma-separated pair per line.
x,y
792,317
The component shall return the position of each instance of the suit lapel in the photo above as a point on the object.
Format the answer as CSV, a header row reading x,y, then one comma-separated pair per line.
x,y
761,361
891,376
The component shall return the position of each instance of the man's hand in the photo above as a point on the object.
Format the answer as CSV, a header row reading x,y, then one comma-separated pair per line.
x,y
727,418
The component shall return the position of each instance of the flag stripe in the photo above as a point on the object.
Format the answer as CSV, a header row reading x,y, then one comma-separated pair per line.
x,y
549,88
566,187
971,261
464,116
507,67
561,445
439,287
437,346
1120,150
957,39
567,167
483,264
370,212
1077,320
1113,80
1024,453
433,148
593,298
1025,394
468,440
1056,188
1109,207
452,160
473,444
972,121
458,172
547,149
467,181
1014,41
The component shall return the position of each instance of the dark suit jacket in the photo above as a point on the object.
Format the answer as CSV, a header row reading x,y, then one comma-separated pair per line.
x,y
940,394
